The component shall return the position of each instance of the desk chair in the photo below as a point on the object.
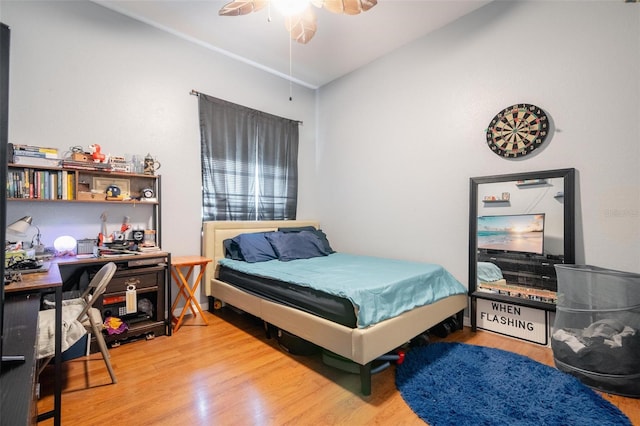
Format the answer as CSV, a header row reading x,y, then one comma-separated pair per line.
x,y
79,318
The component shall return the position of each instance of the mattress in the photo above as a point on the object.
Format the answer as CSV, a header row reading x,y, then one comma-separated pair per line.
x,y
377,288
327,306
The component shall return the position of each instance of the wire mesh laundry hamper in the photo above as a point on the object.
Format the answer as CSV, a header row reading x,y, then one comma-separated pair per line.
x,y
596,335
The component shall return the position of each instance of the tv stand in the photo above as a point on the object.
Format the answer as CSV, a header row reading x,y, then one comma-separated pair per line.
x,y
528,290
528,270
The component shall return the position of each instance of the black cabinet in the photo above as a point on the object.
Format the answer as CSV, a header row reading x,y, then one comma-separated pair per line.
x,y
149,319
147,275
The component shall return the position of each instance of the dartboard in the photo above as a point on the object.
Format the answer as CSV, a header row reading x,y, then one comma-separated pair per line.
x,y
517,130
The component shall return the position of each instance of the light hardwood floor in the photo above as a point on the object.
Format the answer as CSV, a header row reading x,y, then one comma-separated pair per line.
x,y
228,373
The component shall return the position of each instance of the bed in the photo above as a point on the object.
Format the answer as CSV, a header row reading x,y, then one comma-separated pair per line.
x,y
360,344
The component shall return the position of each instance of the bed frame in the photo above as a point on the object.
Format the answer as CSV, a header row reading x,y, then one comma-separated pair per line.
x,y
361,345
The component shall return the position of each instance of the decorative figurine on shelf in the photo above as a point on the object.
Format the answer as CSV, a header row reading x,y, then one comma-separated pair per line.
x,y
125,224
148,195
150,165
114,193
137,235
96,154
102,236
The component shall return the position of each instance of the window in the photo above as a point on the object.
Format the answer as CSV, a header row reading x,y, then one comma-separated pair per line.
x,y
249,163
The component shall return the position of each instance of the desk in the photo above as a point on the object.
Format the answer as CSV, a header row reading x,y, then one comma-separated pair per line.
x,y
17,382
61,271
184,290
32,284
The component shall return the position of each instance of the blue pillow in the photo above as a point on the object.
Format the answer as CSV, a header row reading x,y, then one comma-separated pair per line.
x,y
297,228
296,245
318,232
254,247
232,250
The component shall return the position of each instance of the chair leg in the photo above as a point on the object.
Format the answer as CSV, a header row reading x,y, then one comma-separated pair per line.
x,y
42,363
103,349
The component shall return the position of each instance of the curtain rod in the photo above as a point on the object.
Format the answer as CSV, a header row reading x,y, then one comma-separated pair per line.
x,y
194,92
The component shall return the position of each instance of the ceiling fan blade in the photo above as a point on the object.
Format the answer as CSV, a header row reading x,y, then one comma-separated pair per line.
x,y
352,7
368,4
238,7
333,6
302,26
349,7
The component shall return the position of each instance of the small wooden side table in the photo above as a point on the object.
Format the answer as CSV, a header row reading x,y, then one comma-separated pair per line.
x,y
188,263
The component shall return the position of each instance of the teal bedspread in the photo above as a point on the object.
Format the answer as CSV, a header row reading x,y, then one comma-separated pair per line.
x,y
379,288
488,272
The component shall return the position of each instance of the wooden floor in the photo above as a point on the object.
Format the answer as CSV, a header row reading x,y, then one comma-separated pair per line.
x,y
228,373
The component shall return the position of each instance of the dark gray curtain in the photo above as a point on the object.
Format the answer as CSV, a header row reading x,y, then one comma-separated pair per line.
x,y
249,162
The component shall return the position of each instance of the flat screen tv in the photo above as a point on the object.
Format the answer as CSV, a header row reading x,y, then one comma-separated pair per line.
x,y
517,233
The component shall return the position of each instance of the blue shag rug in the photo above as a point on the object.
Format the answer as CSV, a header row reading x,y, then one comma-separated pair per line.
x,y
460,384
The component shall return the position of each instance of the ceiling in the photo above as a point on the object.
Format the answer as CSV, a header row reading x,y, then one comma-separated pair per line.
x,y
342,43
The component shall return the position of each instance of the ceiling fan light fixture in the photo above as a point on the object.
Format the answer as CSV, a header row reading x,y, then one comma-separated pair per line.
x,y
302,26
300,19
290,7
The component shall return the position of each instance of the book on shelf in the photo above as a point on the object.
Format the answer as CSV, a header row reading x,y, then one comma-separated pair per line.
x,y
33,148
85,165
31,151
40,184
35,154
110,251
35,161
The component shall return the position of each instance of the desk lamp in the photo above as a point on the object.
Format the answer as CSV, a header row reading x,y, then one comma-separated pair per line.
x,y
21,226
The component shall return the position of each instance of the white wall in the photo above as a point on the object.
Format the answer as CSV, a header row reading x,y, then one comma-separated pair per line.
x,y
82,74
400,138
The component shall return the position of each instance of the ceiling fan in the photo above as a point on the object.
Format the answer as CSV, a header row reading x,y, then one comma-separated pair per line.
x,y
300,19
